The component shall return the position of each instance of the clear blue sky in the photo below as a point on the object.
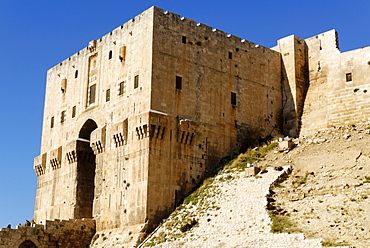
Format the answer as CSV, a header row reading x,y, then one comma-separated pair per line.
x,y
35,35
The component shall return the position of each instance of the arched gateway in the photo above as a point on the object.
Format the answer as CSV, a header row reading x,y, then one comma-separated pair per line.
x,y
85,172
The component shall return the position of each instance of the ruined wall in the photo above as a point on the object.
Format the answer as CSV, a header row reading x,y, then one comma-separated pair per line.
x,y
65,233
215,94
98,98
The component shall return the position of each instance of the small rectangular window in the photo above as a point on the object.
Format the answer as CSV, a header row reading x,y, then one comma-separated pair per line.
x,y
73,111
110,54
184,40
348,77
107,95
178,82
63,116
230,55
136,81
122,88
92,91
52,122
233,98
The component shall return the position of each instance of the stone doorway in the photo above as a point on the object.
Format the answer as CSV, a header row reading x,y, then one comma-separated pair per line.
x,y
85,172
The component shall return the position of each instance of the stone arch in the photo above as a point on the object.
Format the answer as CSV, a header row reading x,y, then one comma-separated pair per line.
x,y
85,187
27,244
86,129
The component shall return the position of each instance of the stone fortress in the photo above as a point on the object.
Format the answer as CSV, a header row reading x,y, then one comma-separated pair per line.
x,y
134,121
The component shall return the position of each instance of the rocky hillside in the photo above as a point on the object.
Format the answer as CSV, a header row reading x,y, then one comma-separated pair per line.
x,y
323,201
328,193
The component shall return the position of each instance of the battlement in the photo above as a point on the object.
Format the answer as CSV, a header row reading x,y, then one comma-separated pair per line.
x,y
128,26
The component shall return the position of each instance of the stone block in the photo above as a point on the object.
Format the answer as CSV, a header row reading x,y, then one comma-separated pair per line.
x,y
286,145
251,171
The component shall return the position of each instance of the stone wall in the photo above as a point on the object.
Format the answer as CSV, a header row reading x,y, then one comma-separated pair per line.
x,y
115,72
294,83
57,233
133,122
218,94
338,91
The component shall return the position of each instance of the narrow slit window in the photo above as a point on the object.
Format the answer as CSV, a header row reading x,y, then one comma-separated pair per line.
x,y
122,88
230,55
52,122
107,95
123,53
348,77
73,111
92,91
64,86
110,54
136,81
233,98
63,117
76,74
178,82
183,39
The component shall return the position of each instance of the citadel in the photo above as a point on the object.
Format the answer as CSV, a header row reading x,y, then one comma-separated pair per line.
x,y
134,121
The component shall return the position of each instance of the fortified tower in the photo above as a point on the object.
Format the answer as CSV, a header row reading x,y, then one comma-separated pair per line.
x,y
133,122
